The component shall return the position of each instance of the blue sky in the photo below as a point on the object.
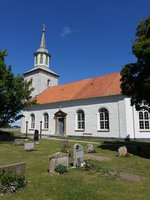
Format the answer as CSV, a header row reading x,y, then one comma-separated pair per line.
x,y
86,38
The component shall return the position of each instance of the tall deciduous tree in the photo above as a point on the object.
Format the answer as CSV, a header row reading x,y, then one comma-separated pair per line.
x,y
135,81
14,93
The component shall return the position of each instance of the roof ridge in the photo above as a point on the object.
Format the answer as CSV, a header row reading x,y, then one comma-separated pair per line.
x,y
84,79
92,87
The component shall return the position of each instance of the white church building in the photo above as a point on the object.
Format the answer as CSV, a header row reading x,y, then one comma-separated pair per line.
x,y
93,107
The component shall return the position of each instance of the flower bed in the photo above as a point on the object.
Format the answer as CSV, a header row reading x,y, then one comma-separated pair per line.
x,y
10,182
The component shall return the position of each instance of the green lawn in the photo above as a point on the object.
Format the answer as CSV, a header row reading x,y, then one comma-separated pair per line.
x,y
77,184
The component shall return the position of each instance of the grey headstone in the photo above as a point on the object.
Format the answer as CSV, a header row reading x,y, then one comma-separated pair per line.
x,y
56,159
29,146
78,155
90,148
19,141
122,151
64,144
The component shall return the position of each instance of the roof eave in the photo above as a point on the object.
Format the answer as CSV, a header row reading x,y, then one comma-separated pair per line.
x,y
79,99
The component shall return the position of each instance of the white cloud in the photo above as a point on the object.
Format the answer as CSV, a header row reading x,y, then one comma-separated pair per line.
x,y
66,31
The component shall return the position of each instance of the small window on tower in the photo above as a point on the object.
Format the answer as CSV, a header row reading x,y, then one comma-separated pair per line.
x,y
46,61
36,59
48,83
41,59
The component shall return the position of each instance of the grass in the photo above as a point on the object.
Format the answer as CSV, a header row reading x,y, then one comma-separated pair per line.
x,y
77,184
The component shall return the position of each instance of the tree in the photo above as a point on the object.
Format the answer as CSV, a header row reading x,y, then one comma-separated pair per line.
x,y
14,93
135,81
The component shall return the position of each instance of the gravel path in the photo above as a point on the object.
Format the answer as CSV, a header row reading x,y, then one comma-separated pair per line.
x,y
79,141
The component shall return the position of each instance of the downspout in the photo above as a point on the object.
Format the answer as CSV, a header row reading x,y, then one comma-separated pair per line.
x,y
119,119
133,122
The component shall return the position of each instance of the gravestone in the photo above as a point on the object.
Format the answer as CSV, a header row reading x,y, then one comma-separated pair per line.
x,y
29,146
56,159
36,136
19,141
64,144
78,155
17,168
122,151
90,148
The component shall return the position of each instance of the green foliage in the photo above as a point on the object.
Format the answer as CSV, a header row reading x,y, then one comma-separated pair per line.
x,y
61,169
135,81
14,93
6,136
11,181
89,166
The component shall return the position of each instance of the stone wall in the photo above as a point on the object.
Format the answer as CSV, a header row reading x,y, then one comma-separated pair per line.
x,y
17,168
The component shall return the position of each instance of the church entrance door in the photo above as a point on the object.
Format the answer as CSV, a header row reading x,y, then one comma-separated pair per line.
x,y
60,121
61,126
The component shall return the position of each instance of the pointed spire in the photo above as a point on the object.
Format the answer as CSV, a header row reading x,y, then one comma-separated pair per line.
x,y
43,38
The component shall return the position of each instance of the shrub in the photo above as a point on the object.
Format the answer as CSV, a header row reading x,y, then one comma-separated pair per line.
x,y
61,169
6,136
11,182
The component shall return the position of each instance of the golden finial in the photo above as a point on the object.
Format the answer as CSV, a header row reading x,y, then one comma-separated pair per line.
x,y
43,27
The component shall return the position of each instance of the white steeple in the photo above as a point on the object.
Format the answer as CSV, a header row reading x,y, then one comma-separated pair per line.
x,y
41,56
43,38
42,77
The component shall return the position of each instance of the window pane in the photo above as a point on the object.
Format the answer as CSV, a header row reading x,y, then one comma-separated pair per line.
x,y
106,125
144,120
146,115
41,59
101,116
146,124
46,120
106,116
140,115
82,125
141,125
80,119
101,125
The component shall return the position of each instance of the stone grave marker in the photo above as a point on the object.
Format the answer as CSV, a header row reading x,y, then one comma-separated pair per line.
x,y
17,168
90,148
56,159
122,151
36,136
64,144
19,141
78,155
29,146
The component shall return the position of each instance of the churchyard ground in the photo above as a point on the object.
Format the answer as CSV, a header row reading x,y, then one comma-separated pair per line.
x,y
78,184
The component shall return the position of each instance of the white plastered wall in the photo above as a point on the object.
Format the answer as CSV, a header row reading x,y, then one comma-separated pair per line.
x,y
39,82
114,104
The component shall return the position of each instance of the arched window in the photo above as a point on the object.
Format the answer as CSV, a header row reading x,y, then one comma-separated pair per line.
x,y
103,119
80,120
46,121
41,59
36,59
144,120
32,116
46,60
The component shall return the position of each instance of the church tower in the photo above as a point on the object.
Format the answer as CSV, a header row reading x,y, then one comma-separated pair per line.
x,y
42,77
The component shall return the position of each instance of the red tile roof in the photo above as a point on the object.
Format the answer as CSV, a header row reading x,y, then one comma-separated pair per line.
x,y
93,87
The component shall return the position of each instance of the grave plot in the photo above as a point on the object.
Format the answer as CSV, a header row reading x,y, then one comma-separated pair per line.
x,y
78,155
56,160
